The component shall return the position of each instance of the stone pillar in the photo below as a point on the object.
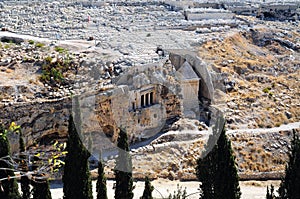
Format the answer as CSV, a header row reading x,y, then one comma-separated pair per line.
x,y
147,99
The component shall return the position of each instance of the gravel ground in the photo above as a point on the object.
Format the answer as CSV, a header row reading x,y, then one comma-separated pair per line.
x,y
163,187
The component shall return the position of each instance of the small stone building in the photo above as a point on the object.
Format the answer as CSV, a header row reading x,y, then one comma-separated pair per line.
x,y
189,82
144,100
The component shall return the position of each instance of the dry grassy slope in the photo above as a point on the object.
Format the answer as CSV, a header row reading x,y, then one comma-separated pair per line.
x,y
260,154
265,73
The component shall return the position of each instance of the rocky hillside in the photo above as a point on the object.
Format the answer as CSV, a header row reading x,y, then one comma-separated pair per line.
x,y
261,70
261,67
260,100
260,153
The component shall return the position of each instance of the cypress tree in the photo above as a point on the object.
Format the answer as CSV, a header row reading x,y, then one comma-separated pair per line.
x,y
24,168
123,169
205,171
270,193
290,184
206,167
147,194
76,177
227,182
8,187
217,170
101,181
41,189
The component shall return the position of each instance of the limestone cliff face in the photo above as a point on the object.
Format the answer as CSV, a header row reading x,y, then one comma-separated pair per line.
x,y
143,104
39,120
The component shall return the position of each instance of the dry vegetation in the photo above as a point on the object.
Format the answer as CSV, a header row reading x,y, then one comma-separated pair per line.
x,y
265,75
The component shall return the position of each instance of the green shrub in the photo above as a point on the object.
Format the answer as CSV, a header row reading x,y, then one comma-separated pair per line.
x,y
271,94
7,46
48,59
31,42
59,49
53,71
266,90
57,75
39,45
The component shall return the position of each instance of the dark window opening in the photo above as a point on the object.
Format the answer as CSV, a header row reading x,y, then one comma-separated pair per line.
x,y
151,98
142,100
147,99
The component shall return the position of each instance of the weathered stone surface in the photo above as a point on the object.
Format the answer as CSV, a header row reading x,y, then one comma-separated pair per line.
x,y
40,121
15,40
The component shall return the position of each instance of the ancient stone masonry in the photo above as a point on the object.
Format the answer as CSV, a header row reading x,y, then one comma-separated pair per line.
x,y
189,82
149,97
144,100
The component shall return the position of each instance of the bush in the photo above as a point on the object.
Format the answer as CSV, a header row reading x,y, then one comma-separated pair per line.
x,y
31,42
7,46
266,90
48,59
53,72
59,49
39,45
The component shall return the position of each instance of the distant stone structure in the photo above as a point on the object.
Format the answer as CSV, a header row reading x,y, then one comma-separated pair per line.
x,y
194,14
148,98
144,101
189,82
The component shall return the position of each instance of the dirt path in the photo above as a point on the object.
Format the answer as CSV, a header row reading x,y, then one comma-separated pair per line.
x,y
163,187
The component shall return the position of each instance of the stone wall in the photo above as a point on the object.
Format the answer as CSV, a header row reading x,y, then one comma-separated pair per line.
x,y
39,120
207,14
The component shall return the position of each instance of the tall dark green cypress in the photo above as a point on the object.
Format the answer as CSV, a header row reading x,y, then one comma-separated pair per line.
x,y
76,177
290,184
101,181
206,167
8,187
41,189
123,169
147,194
216,170
227,180
270,192
25,182
205,171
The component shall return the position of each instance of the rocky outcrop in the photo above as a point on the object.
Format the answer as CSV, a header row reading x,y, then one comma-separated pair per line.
x,y
143,105
40,121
